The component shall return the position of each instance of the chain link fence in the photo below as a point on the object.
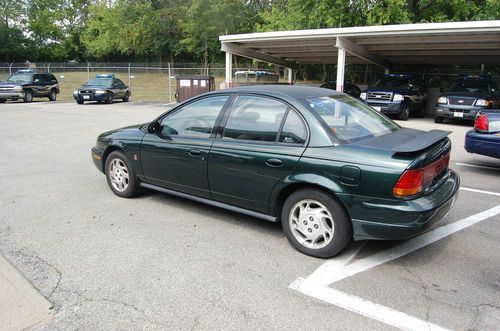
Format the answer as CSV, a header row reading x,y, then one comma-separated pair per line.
x,y
151,82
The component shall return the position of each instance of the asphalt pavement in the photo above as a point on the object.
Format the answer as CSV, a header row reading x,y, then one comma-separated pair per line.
x,y
160,262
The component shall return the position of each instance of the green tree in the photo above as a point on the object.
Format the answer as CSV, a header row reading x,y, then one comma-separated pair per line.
x,y
55,27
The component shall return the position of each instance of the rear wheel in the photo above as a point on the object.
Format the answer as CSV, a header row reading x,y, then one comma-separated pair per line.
x,y
120,176
315,223
438,119
52,96
109,97
28,97
126,98
405,113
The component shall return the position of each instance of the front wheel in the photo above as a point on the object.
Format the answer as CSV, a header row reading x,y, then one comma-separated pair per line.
x,y
28,97
405,113
109,97
52,96
2,100
80,102
315,223
438,119
120,176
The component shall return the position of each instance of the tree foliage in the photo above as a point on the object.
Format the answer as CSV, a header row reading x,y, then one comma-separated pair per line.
x,y
188,30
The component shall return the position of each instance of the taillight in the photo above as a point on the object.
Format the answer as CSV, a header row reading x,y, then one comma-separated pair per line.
x,y
415,181
481,123
410,183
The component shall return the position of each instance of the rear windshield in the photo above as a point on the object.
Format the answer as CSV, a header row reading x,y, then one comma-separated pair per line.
x,y
21,78
350,120
470,86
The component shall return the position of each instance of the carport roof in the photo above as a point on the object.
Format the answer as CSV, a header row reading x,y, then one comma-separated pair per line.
x,y
476,42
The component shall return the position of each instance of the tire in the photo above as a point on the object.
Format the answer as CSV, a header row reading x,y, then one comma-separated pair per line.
x,y
2,100
327,223
404,114
126,98
28,97
109,98
80,102
52,96
438,119
121,176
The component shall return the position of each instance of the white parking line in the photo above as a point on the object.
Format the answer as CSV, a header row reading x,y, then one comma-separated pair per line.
x,y
331,271
369,309
480,191
476,166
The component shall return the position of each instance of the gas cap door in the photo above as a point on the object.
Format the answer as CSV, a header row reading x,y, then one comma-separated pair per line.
x,y
350,175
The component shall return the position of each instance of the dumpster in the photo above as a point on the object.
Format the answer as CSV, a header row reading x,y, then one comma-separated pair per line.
x,y
191,85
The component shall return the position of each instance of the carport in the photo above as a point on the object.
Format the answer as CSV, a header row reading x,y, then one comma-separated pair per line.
x,y
475,42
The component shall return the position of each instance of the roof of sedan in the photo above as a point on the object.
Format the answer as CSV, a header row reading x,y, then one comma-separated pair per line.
x,y
294,91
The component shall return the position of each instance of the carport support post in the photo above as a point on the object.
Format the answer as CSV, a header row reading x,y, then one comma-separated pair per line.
x,y
229,70
129,74
340,69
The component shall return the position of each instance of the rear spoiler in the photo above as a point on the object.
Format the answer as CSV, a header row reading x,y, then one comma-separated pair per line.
x,y
421,141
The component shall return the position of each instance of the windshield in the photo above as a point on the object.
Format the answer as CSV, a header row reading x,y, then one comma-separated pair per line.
x,y
350,120
470,86
20,78
104,82
393,83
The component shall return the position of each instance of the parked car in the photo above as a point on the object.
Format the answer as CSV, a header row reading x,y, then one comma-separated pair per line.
x,y
397,94
325,165
26,84
468,95
349,87
104,88
484,139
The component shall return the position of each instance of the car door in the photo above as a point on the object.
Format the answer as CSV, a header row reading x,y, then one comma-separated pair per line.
x,y
176,157
38,85
120,88
261,142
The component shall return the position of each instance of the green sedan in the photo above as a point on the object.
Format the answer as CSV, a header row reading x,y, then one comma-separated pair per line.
x,y
325,165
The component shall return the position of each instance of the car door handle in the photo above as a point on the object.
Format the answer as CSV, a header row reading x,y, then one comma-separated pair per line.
x,y
274,162
194,152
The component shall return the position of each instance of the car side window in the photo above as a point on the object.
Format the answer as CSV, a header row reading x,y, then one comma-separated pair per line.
x,y
120,83
255,118
196,119
294,130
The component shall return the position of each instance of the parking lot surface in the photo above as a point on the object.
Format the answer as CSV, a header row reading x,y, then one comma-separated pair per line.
x,y
162,262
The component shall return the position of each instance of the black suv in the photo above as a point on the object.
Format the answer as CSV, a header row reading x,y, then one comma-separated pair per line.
x,y
26,84
466,97
397,94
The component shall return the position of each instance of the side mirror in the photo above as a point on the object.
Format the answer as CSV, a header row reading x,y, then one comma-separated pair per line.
x,y
154,128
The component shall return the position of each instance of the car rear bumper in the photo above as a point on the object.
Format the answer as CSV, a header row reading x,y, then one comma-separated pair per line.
x,y
482,143
97,158
398,220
